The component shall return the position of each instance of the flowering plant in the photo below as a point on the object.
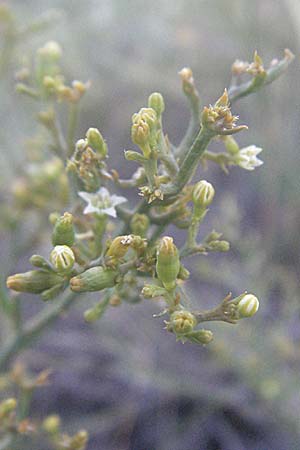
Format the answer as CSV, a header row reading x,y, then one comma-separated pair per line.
x,y
101,244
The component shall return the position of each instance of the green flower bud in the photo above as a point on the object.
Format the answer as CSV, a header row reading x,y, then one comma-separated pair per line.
x,y
183,274
62,258
156,102
167,262
219,246
140,133
248,306
52,424
93,314
152,291
182,322
139,224
40,262
94,279
203,194
231,145
131,155
7,406
96,141
63,232
119,246
200,336
34,281
79,441
147,115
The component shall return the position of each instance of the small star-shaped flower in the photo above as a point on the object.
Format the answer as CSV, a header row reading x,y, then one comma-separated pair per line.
x,y
101,202
247,157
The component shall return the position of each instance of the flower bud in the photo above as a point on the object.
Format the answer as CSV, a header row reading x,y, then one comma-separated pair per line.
x,y
152,291
139,224
200,336
219,246
96,141
63,232
167,262
156,102
248,306
34,281
231,145
93,314
203,194
119,246
146,115
51,424
39,261
182,322
184,273
140,133
62,258
79,441
94,279
131,155
7,406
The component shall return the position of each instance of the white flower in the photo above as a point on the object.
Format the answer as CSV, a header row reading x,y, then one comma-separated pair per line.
x,y
247,157
101,202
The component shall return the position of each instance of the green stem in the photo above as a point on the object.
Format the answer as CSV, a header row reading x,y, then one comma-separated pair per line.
x,y
193,127
196,221
34,328
190,162
72,124
274,72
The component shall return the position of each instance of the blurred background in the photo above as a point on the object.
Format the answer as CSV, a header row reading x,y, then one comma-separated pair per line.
x,y
125,379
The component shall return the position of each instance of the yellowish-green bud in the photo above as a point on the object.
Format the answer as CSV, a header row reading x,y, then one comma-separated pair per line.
x,y
184,273
94,279
39,261
156,102
119,246
7,406
49,82
231,145
34,281
93,314
147,115
63,232
152,291
167,262
203,194
131,155
182,322
53,217
96,141
62,258
79,441
200,336
139,224
52,424
140,133
248,306
219,246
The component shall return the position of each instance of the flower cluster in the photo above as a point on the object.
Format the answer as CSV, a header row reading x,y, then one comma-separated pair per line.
x,y
136,259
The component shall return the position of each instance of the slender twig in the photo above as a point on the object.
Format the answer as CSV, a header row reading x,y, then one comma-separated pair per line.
x,y
72,124
189,164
